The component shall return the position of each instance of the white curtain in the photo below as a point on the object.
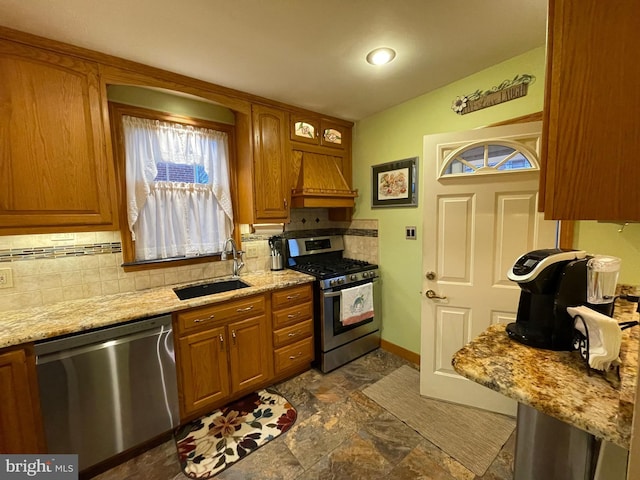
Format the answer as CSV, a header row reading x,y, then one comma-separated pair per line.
x,y
172,219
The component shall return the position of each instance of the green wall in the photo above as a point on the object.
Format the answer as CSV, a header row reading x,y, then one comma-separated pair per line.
x,y
607,239
166,102
397,133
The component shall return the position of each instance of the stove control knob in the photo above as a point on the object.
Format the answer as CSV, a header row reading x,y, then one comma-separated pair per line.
x,y
366,274
341,280
332,283
353,277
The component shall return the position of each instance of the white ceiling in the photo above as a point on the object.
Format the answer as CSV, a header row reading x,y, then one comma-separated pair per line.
x,y
308,53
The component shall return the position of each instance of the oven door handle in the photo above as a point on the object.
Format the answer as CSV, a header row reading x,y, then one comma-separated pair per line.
x,y
332,294
336,293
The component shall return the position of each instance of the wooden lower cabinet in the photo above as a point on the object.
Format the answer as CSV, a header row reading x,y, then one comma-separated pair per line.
x,y
205,369
21,428
229,349
223,349
294,356
249,353
292,318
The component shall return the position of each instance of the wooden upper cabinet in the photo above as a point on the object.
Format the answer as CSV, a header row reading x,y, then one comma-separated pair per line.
x,y
316,131
304,129
591,135
271,158
332,135
54,172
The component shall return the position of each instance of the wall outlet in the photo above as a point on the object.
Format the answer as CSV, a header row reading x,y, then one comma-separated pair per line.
x,y
6,278
410,233
252,251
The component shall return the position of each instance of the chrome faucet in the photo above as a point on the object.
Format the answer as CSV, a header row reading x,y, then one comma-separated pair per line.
x,y
237,256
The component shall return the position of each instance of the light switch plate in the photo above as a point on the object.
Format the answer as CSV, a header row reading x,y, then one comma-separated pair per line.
x,y
6,278
411,233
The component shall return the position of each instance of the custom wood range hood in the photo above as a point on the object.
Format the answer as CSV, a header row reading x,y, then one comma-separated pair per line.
x,y
319,182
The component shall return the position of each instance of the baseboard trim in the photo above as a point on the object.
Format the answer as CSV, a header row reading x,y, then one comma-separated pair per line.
x,y
400,351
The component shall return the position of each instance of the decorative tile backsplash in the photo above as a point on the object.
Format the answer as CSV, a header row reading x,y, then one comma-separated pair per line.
x,y
51,268
17,254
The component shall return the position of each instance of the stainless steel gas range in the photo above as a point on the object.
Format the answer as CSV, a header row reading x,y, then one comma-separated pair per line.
x,y
338,279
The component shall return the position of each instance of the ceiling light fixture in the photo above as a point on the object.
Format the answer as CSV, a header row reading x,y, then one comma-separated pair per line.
x,y
380,56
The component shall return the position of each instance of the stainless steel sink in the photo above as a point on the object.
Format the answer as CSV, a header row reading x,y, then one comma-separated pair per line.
x,y
220,286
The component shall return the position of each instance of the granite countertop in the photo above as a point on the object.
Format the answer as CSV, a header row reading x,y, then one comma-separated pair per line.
x,y
37,323
557,383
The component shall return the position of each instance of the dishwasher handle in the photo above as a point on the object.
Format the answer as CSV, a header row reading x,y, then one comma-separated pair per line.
x,y
72,352
102,338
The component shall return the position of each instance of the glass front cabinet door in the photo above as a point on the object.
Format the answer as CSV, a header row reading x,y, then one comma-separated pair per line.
x,y
317,132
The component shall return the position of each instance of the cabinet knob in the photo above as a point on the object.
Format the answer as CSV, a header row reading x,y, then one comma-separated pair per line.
x,y
244,309
293,357
233,335
294,315
293,297
293,334
221,342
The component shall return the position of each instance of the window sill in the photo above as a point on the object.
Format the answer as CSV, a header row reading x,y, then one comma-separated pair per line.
x,y
169,262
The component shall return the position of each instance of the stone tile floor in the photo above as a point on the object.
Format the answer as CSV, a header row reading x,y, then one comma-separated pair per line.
x,y
340,434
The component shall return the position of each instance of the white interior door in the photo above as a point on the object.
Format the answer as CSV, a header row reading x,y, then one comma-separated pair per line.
x,y
480,215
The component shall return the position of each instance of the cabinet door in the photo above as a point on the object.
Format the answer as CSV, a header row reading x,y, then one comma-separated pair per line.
x,y
204,369
272,192
20,421
591,112
54,173
332,135
249,353
305,129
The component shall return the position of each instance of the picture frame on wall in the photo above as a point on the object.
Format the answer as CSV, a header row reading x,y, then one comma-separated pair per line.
x,y
395,184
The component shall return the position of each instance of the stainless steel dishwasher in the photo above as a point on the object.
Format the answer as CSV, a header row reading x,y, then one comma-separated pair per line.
x,y
105,391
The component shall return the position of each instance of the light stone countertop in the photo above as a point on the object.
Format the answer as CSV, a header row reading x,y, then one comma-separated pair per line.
x,y
37,323
557,383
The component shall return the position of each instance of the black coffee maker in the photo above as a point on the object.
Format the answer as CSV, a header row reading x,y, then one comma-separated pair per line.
x,y
551,280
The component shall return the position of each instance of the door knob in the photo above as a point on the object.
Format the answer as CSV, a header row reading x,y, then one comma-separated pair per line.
x,y
432,294
431,275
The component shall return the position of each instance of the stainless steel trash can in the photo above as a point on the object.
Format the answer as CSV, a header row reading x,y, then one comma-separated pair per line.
x,y
549,449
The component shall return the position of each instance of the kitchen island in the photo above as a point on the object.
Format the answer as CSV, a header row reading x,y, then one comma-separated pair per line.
x,y
558,384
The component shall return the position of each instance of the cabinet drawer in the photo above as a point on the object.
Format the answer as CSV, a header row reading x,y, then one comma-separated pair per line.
x,y
295,314
295,355
232,310
291,296
293,333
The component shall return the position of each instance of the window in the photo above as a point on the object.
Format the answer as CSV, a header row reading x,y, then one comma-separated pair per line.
x,y
176,185
487,158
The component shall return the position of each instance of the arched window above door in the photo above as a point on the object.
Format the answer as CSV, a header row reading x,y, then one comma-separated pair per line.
x,y
488,157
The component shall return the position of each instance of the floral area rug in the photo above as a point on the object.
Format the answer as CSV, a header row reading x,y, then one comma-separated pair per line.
x,y
216,441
